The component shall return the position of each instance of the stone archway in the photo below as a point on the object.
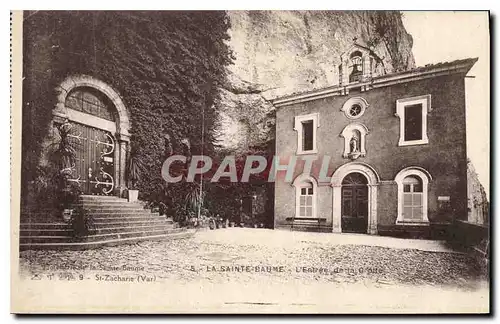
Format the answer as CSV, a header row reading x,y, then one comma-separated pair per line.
x,y
62,114
336,183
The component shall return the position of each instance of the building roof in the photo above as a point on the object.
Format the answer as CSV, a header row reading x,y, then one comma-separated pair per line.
x,y
439,65
430,70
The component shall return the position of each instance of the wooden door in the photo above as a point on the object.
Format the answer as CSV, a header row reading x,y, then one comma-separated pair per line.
x,y
94,165
354,204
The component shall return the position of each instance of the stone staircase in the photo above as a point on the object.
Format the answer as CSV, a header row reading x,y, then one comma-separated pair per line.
x,y
115,221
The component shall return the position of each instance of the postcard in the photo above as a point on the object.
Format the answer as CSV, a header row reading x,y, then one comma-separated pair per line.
x,y
218,162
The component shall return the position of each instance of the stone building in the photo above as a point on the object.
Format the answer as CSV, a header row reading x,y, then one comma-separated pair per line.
x,y
394,146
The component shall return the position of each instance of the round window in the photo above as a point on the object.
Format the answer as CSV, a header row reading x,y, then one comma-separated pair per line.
x,y
355,110
354,107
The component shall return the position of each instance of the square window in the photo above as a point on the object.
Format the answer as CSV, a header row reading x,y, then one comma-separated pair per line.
x,y
309,200
310,191
303,191
306,127
412,113
413,122
302,200
302,211
307,135
406,188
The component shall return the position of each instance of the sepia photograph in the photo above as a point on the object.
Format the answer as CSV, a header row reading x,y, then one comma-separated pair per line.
x,y
250,162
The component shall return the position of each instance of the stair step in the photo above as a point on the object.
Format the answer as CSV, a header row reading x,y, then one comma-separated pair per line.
x,y
99,230
126,213
130,223
114,217
44,239
119,235
125,229
110,202
106,201
45,232
97,237
100,197
117,208
91,245
27,226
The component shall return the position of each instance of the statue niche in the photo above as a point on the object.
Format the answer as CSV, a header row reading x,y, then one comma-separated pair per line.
x,y
354,141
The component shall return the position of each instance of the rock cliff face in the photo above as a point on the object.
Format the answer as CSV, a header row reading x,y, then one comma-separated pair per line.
x,y
280,52
477,199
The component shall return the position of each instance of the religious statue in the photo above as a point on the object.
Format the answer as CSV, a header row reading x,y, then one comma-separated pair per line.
x,y
354,145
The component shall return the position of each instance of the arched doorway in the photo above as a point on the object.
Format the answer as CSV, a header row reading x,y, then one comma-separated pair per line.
x,y
354,203
341,180
92,134
99,129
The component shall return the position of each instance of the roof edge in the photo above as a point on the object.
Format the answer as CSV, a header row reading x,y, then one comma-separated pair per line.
x,y
459,66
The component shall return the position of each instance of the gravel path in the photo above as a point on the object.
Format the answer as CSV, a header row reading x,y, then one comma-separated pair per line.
x,y
219,256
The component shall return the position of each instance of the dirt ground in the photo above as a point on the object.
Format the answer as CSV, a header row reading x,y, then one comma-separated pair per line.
x,y
283,270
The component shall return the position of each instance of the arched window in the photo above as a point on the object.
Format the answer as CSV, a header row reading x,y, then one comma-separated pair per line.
x,y
306,200
90,101
412,195
412,198
305,196
356,66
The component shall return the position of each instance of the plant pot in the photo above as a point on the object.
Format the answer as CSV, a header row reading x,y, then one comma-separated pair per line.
x,y
133,195
231,224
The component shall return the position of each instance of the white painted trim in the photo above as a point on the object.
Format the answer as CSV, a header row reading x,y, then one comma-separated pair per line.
x,y
347,135
353,101
298,127
336,183
425,176
425,101
297,183
91,120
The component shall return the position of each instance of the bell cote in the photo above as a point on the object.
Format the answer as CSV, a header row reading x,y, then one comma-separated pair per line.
x,y
359,64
